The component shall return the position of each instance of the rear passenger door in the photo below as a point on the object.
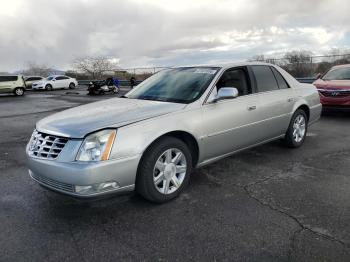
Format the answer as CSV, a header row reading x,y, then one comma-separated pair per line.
x,y
275,100
65,81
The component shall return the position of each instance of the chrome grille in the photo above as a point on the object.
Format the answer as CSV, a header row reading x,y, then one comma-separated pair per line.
x,y
46,146
335,93
53,183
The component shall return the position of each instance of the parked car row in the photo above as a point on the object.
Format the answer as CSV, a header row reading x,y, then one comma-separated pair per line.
x,y
17,84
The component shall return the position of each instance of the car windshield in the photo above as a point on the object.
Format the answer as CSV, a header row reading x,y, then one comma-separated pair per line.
x,y
179,85
50,78
338,74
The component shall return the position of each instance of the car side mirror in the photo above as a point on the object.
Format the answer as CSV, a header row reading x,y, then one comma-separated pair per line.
x,y
226,93
53,79
318,76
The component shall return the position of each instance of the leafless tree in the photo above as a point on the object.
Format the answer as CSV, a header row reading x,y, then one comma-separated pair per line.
x,y
299,63
95,67
36,70
260,58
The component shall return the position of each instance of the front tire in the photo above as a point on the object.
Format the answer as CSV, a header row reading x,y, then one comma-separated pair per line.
x,y
19,91
296,133
48,87
164,170
71,86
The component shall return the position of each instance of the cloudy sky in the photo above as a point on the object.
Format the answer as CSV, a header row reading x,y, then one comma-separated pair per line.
x,y
166,32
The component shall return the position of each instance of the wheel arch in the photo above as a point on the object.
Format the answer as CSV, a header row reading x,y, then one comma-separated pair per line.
x,y
185,137
305,108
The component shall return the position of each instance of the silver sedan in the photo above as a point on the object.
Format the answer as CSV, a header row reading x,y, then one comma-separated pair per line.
x,y
176,120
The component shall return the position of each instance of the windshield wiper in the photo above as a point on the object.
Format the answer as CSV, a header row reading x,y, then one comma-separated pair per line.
x,y
160,99
152,98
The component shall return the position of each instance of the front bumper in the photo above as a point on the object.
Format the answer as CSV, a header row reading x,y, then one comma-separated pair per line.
x,y
65,176
38,87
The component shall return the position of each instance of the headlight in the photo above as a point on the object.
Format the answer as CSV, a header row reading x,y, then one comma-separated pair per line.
x,y
97,146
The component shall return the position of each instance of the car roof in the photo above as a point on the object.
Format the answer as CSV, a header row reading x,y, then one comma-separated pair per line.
x,y
229,65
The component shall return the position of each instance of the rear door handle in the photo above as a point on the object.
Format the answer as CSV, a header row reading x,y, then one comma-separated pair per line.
x,y
250,108
291,99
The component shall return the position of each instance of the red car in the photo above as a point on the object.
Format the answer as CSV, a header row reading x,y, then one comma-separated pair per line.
x,y
334,87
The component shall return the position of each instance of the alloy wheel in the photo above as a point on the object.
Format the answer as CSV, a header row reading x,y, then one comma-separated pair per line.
x,y
299,128
19,91
169,171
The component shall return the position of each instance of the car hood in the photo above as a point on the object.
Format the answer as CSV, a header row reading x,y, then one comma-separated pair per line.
x,y
82,120
332,84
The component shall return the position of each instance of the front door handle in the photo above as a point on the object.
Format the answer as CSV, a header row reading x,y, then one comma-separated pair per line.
x,y
250,108
291,99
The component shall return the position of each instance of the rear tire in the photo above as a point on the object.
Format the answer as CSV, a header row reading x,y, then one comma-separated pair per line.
x,y
71,86
296,133
18,91
48,87
164,170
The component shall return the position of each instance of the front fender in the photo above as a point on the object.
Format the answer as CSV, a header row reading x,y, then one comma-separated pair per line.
x,y
134,139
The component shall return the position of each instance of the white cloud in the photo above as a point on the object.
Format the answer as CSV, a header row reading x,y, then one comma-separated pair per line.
x,y
160,32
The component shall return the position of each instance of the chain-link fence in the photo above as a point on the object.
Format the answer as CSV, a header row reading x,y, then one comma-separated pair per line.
x,y
300,65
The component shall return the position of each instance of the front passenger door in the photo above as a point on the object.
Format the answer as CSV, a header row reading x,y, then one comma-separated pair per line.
x,y
59,82
230,125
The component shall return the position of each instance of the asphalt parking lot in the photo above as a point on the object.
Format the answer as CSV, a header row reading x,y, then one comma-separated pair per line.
x,y
269,203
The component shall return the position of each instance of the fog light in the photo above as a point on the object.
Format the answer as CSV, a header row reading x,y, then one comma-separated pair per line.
x,y
107,186
83,189
96,188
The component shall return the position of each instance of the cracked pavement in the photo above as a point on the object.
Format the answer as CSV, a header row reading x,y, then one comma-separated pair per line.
x,y
269,203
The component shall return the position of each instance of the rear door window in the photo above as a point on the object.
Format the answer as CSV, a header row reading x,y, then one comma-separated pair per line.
x,y
265,80
8,78
282,83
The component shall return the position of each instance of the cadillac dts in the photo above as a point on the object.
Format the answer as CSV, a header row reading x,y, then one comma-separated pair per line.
x,y
181,118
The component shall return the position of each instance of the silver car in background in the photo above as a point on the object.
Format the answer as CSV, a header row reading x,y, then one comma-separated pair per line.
x,y
176,120
29,80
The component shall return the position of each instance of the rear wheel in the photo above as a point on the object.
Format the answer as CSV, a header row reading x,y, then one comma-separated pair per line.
x,y
297,129
71,86
48,87
164,170
19,91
